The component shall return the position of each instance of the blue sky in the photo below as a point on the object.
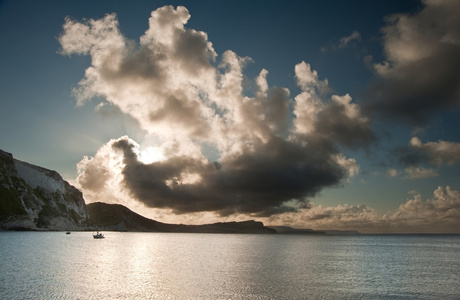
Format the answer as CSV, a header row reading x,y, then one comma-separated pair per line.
x,y
326,114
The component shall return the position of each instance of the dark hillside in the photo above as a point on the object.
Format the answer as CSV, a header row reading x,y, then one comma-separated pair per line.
x,y
117,217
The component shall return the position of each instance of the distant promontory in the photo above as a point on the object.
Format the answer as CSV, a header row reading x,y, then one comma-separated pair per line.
x,y
117,217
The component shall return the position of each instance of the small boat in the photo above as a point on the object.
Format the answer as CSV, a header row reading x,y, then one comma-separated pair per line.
x,y
68,232
98,235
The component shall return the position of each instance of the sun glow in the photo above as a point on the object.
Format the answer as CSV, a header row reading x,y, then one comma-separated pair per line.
x,y
151,155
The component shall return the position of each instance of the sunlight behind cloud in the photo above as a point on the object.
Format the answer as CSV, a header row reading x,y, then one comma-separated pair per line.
x,y
151,154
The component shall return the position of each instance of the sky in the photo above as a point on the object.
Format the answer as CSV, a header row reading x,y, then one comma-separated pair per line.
x,y
311,114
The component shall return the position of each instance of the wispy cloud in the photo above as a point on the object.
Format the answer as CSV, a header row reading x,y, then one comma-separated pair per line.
x,y
419,172
345,41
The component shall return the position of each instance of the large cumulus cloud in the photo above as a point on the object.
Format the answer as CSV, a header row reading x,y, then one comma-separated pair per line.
x,y
157,81
420,74
274,152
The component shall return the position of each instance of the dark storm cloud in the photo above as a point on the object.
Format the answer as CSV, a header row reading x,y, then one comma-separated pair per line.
x,y
421,74
258,183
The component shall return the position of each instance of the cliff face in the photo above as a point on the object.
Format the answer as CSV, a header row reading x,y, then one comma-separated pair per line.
x,y
32,197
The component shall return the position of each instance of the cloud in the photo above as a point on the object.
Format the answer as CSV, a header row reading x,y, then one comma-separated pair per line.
x,y
420,74
278,179
438,153
419,172
441,214
157,82
345,41
100,178
392,172
336,120
432,153
274,153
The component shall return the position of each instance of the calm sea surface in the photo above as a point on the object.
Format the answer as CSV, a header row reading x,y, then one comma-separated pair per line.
x,y
53,265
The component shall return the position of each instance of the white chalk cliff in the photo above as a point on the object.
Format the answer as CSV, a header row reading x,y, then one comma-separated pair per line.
x,y
33,197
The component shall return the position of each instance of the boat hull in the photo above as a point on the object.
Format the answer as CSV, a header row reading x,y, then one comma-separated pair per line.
x,y
98,236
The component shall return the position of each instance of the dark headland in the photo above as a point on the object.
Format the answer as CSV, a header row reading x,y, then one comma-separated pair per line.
x,y
117,217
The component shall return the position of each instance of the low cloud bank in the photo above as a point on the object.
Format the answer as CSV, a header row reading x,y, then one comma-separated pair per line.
x,y
440,214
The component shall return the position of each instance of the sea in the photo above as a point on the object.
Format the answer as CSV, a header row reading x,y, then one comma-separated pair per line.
x,y
54,265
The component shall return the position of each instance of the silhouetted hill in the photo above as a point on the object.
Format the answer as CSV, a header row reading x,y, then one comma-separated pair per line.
x,y
120,218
